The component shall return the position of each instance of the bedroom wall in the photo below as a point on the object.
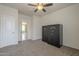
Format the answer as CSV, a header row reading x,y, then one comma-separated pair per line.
x,y
36,28
28,20
69,17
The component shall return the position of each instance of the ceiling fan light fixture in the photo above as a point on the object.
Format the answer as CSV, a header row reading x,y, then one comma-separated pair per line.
x,y
40,7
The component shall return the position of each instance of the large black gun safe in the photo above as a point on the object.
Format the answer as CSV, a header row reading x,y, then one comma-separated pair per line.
x,y
53,34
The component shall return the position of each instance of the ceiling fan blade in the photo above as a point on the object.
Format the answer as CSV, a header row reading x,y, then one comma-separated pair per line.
x,y
44,10
49,4
35,10
31,4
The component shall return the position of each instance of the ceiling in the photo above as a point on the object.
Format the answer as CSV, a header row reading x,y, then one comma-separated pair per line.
x,y
24,8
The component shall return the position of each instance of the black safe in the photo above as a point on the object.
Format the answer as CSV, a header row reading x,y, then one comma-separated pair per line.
x,y
53,34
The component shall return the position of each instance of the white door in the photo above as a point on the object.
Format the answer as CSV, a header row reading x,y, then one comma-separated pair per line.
x,y
8,30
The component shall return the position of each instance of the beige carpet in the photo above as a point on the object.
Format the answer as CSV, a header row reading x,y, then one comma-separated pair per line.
x,y
37,48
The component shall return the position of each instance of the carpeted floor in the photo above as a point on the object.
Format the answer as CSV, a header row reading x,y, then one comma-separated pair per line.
x,y
37,48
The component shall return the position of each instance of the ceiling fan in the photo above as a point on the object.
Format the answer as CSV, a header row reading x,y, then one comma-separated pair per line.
x,y
40,6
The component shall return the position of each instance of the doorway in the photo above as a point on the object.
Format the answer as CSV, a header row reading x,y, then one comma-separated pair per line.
x,y
24,31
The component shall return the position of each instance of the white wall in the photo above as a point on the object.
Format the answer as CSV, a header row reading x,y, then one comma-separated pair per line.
x,y
33,24
28,20
69,17
36,28
8,26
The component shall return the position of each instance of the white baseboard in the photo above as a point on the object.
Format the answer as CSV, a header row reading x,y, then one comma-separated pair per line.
x,y
71,47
